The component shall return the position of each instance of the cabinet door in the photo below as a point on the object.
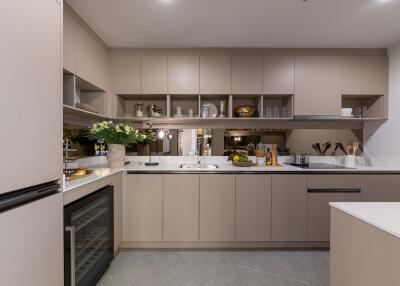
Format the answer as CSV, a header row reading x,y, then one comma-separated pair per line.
x,y
253,207
217,207
69,42
126,70
181,208
215,75
183,74
380,188
246,75
318,216
154,75
87,57
142,215
364,75
31,83
289,207
278,75
116,180
318,86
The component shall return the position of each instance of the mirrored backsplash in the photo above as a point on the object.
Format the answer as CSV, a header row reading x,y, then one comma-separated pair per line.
x,y
219,142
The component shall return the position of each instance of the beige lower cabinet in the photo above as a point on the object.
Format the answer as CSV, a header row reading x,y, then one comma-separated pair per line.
x,y
253,207
181,208
217,207
318,216
380,188
143,207
289,208
116,180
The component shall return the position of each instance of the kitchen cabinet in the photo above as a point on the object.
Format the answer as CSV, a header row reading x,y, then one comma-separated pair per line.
x,y
116,181
181,208
215,75
154,75
127,74
364,75
380,188
318,216
93,58
278,75
253,207
69,42
247,75
318,86
217,207
289,208
143,207
331,181
183,74
31,82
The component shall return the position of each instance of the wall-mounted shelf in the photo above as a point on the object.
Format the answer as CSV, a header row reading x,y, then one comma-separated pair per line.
x,y
77,91
374,103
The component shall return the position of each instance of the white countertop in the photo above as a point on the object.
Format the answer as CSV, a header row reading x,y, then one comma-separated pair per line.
x,y
172,164
385,216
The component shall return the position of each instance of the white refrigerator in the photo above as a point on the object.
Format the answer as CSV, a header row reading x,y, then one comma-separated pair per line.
x,y
31,204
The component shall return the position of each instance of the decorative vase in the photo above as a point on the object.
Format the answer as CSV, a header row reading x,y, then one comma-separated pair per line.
x,y
143,149
116,155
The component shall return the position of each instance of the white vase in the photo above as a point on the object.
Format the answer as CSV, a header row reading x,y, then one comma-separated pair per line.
x,y
116,155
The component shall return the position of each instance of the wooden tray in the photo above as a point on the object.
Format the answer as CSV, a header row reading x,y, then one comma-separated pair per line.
x,y
75,177
243,164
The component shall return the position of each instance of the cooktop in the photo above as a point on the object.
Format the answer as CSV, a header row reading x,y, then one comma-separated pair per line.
x,y
323,166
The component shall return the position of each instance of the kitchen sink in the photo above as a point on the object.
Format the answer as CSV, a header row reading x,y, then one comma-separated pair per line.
x,y
199,166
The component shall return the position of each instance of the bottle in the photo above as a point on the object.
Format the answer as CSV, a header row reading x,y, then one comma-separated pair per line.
x,y
268,158
260,155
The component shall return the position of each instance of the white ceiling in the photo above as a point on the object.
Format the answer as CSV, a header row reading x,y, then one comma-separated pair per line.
x,y
243,23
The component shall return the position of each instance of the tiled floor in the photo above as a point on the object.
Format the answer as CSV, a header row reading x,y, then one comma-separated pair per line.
x,y
218,268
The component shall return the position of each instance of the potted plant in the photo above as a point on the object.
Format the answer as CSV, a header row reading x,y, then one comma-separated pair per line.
x,y
143,146
116,136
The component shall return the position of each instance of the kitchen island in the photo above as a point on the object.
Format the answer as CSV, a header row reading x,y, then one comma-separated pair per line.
x,y
365,244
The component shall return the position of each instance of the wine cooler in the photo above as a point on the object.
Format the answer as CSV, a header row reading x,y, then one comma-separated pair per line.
x,y
88,238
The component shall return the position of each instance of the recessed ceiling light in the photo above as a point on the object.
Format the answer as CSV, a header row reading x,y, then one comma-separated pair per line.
x,y
166,1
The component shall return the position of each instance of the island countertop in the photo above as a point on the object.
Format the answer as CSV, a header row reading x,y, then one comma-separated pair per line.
x,y
383,215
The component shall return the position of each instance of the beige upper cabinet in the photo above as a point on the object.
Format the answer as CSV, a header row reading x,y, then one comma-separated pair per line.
x,y
143,208
289,207
278,75
183,74
127,74
92,58
70,43
364,75
217,207
247,75
154,74
181,208
318,86
380,188
215,75
253,207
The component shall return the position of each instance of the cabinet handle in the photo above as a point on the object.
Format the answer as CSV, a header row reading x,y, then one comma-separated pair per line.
x,y
71,229
333,191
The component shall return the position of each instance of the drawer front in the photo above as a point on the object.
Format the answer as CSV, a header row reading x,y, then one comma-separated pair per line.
x,y
334,182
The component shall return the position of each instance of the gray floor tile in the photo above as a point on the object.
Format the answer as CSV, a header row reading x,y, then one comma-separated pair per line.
x,y
218,268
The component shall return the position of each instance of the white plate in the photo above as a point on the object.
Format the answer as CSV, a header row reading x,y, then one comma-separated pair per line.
x,y
212,110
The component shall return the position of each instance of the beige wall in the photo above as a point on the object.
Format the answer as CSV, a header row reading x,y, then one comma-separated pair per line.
x,y
302,139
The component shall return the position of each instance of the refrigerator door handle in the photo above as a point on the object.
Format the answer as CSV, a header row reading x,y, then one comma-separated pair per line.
x,y
71,230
